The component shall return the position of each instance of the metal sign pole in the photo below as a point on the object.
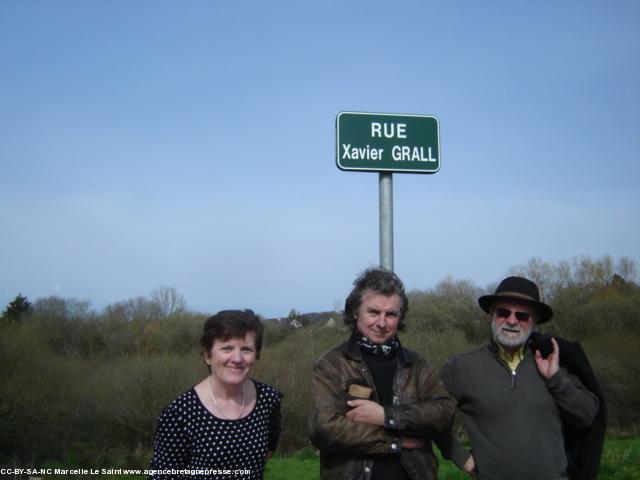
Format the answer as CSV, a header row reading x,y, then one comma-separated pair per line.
x,y
386,220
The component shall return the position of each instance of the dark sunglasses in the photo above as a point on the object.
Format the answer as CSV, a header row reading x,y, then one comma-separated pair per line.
x,y
506,313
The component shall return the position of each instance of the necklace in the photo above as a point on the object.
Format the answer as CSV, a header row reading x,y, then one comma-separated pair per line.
x,y
218,406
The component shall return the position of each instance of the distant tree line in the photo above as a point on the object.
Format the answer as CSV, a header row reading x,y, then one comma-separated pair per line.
x,y
85,388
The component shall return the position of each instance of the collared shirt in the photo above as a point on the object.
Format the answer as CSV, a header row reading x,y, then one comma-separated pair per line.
x,y
512,360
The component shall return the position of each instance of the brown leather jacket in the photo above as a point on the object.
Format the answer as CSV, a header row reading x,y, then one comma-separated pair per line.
x,y
421,408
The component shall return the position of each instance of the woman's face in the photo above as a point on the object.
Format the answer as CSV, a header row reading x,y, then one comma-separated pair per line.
x,y
231,360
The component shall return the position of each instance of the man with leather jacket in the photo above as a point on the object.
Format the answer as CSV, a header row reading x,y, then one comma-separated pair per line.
x,y
376,405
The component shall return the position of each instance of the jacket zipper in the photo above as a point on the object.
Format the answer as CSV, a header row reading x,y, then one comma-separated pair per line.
x,y
512,384
512,373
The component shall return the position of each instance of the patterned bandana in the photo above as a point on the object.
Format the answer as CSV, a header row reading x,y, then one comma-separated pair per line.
x,y
389,349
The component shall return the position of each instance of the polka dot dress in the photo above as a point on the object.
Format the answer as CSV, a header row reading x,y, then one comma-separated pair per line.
x,y
189,437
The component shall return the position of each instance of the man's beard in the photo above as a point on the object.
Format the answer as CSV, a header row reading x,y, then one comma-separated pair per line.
x,y
508,341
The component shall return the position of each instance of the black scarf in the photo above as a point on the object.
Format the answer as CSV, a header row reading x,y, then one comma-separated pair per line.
x,y
389,349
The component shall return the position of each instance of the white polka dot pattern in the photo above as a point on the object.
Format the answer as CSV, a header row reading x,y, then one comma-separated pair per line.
x,y
188,436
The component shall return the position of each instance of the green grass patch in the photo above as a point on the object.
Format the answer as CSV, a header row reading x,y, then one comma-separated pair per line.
x,y
620,461
303,465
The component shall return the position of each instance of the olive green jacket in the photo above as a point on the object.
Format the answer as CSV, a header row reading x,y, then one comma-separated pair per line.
x,y
421,408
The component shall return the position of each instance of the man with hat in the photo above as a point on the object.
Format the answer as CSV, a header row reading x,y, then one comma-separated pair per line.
x,y
514,401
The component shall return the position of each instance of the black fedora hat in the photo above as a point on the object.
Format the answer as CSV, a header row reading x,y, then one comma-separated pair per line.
x,y
518,289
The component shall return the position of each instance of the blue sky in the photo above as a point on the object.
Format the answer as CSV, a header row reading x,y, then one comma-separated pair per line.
x,y
192,144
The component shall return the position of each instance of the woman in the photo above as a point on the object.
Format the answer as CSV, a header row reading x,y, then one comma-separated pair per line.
x,y
226,426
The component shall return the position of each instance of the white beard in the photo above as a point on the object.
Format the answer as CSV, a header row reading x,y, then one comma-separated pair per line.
x,y
510,341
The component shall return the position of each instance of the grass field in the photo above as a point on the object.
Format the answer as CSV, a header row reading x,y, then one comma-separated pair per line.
x,y
620,461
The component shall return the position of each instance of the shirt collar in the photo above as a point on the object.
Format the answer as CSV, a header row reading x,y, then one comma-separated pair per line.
x,y
512,360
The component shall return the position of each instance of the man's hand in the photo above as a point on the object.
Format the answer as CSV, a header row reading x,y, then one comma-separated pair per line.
x,y
366,411
550,365
469,466
409,443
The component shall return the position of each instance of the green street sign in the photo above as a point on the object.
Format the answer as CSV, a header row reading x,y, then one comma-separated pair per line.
x,y
386,142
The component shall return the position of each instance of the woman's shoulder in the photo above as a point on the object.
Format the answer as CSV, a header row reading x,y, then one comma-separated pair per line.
x,y
183,403
267,391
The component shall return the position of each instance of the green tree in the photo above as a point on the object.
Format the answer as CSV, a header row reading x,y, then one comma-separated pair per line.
x,y
16,310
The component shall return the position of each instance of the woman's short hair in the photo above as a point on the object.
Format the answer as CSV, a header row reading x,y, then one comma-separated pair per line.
x,y
229,324
377,280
